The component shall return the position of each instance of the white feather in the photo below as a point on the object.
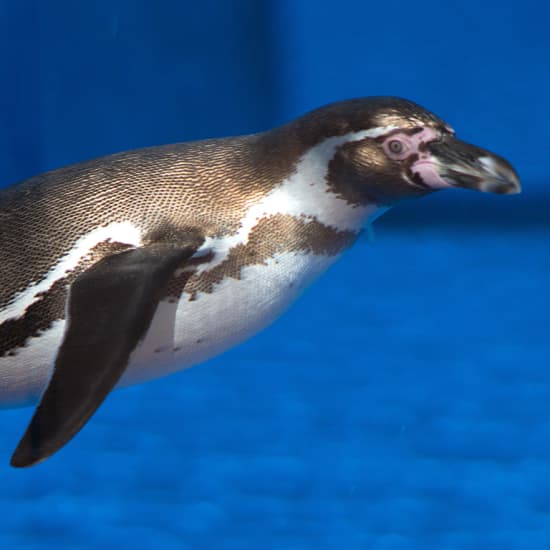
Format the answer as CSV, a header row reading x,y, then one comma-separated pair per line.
x,y
122,232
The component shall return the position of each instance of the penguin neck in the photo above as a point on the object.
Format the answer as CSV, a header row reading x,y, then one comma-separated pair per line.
x,y
306,191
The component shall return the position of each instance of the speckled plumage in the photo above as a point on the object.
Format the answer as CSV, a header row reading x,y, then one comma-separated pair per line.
x,y
222,233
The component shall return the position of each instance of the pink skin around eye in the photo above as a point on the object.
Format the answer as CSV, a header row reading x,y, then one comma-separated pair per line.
x,y
424,166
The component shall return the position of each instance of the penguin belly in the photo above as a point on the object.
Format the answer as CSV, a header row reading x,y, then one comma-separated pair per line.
x,y
24,373
201,326
184,332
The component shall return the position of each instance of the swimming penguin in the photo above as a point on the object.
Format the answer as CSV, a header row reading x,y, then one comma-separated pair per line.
x,y
136,265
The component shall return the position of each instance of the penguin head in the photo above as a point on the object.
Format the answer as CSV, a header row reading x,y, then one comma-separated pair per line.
x,y
397,150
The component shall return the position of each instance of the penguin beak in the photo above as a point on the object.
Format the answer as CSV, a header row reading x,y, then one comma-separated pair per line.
x,y
450,162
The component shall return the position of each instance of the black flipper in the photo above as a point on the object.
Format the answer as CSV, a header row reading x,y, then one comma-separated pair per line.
x,y
111,306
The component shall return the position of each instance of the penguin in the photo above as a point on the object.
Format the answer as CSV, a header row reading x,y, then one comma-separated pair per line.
x,y
135,265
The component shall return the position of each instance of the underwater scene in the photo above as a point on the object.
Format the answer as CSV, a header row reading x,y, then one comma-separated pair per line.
x,y
401,401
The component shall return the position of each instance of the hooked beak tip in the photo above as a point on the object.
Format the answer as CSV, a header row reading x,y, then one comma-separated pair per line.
x,y
463,165
508,190
498,176
502,185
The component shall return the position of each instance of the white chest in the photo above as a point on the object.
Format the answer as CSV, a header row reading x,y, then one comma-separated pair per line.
x,y
190,331
182,333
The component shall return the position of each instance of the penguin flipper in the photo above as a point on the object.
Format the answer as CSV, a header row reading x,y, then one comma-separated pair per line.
x,y
110,308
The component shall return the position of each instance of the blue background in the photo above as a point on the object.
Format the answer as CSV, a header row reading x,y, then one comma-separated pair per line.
x,y
403,401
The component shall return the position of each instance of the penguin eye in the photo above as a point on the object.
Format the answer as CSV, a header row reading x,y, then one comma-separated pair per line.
x,y
396,147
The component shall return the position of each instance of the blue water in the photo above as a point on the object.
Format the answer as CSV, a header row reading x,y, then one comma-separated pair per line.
x,y
402,403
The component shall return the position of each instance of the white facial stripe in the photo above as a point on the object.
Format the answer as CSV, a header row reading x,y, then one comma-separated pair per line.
x,y
305,195
121,232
